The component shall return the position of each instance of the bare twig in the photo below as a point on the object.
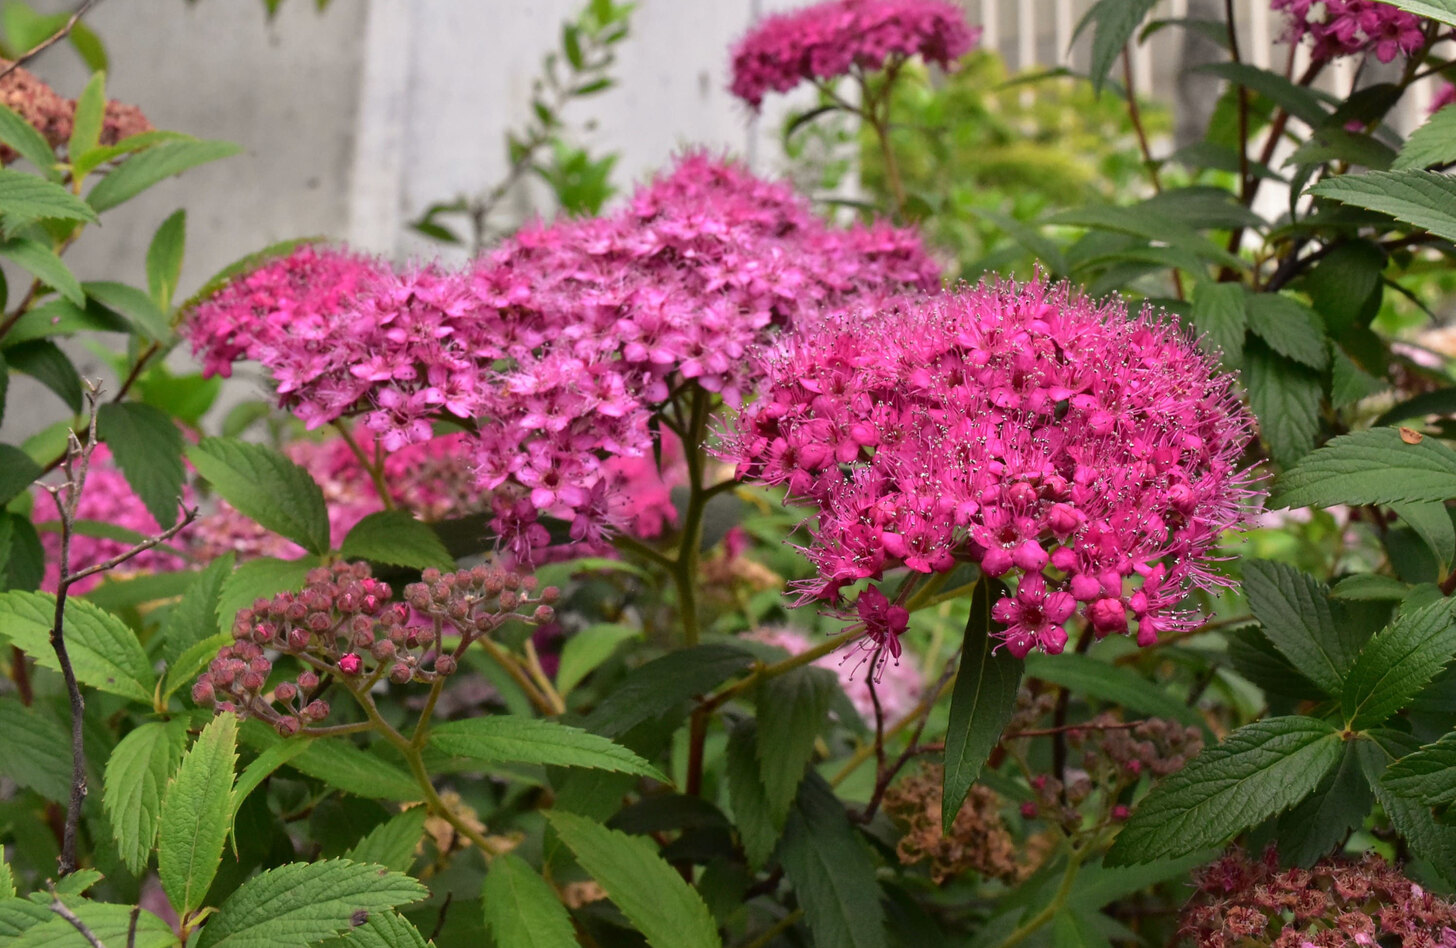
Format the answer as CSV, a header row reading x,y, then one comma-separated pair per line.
x,y
440,918
131,926
60,909
51,40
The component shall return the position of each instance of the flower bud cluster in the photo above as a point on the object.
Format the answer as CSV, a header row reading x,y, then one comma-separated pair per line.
x,y
1090,457
345,624
978,840
1336,903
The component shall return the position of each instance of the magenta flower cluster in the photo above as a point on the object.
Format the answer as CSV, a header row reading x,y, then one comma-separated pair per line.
x,y
831,39
558,347
1089,456
1350,27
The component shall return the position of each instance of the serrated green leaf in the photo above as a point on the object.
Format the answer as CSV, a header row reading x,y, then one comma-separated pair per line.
x,y
1260,770
266,486
1090,677
27,142
1345,287
1299,101
1429,840
1289,327
1431,521
104,653
757,829
1113,24
164,259
587,649
25,199
42,263
1397,663
392,843
262,578
147,446
1322,821
17,473
1424,199
135,305
136,775
61,317
382,930
981,703
43,361
1428,774
25,566
300,903
1369,467
195,810
833,874
1285,397
665,683
7,880
88,117
1349,383
397,538
1220,315
194,617
345,767
1434,143
1370,587
110,923
1294,610
521,909
147,168
191,663
259,769
36,752
1440,402
792,709
649,892
1255,658
504,738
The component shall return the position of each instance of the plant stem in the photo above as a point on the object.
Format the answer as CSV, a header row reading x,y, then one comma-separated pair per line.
x,y
518,675
765,672
1025,930
376,471
776,929
865,751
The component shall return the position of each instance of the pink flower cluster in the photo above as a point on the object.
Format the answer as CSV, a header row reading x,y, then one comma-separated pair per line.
x,y
897,684
830,39
562,344
1350,27
1089,456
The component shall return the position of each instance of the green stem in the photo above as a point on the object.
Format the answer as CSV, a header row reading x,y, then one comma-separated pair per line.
x,y
376,470
1069,876
765,672
776,929
685,569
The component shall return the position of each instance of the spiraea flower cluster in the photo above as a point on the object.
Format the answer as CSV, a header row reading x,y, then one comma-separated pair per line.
x,y
1351,27
344,625
831,39
559,346
1090,457
53,115
897,684
1336,903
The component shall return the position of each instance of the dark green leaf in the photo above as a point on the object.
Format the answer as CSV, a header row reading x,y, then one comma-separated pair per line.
x,y
135,305
25,565
1440,402
1256,658
266,486
1260,770
791,711
1339,805
1423,199
587,649
27,142
751,815
1369,467
511,739
1345,287
1220,317
194,814
1428,775
42,263
1285,397
832,872
1397,663
397,538
1289,327
663,684
147,446
522,909
1429,840
88,117
981,703
146,168
36,752
17,472
164,259
104,653
1087,676
1297,100
1432,522
25,198
1113,24
1296,615
1443,11
392,843
1349,383
43,361
194,618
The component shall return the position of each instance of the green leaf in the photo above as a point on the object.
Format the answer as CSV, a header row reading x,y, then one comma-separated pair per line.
x,y
262,578
300,903
1431,520
110,923
1289,327
1129,220
1113,24
665,683
104,653
1294,610
392,843
1349,383
1345,287
27,142
1423,199
194,617
522,909
1370,587
1434,143
791,711
146,168
1339,805
42,263
1255,658
61,317
1220,317
4,367
832,873
1440,402
264,485
504,738
17,473
37,750
1369,467
43,361
1397,663
397,538
135,305
164,259
147,446
1429,840
136,775
382,930
25,199
260,769
757,829
1085,675
980,705
345,767
89,115
189,664
1070,930
1428,775
7,880
195,812
640,882
1260,770
25,564
1285,397
1297,100
1443,11
587,649
88,46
